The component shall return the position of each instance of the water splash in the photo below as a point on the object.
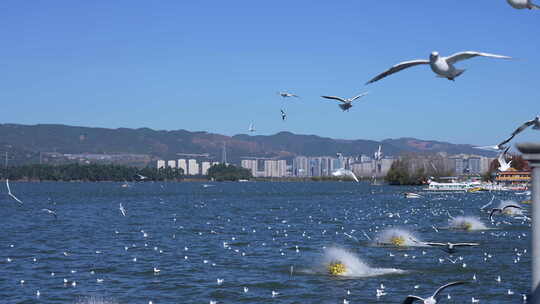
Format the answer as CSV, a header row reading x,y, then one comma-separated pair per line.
x,y
353,266
397,237
468,223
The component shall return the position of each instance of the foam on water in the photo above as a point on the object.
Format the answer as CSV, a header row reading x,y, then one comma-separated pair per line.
x,y
397,237
466,223
354,267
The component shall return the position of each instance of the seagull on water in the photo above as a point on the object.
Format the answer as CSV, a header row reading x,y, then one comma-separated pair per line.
x,y
521,4
433,298
287,94
503,165
122,209
346,102
344,172
49,211
442,66
450,247
535,122
11,194
501,211
283,115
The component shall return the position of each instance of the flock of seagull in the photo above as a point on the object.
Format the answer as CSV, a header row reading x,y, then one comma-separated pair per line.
x,y
412,213
443,67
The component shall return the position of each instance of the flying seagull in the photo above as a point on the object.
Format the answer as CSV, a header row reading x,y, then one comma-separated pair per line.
x,y
283,115
450,247
345,172
287,94
433,298
503,165
378,154
442,66
141,177
49,211
251,128
11,194
499,210
521,4
535,122
122,209
346,102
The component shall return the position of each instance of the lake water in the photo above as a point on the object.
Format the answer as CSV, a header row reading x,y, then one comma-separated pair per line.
x,y
263,242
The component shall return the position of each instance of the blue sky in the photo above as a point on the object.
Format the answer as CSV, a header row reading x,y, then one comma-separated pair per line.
x,y
216,66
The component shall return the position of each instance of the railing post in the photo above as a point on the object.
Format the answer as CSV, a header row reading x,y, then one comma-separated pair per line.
x,y
531,153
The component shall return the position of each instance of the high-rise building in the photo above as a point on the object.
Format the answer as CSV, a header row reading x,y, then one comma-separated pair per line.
x,y
171,164
205,166
182,164
250,164
275,168
301,166
474,165
193,167
160,164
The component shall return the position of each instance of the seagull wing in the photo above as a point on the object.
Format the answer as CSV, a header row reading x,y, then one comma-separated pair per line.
x,y
523,127
493,211
492,148
501,159
354,176
398,67
412,299
15,198
335,98
7,184
512,206
470,54
122,210
447,285
10,194
436,244
358,96
466,244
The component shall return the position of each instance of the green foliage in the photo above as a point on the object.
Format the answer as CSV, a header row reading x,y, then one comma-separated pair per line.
x,y
399,174
224,172
92,173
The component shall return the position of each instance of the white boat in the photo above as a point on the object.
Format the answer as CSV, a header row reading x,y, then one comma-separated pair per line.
x,y
464,186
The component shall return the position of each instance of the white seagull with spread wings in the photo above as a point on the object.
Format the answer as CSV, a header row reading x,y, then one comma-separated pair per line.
x,y
11,194
346,102
535,122
287,94
521,4
344,172
442,66
433,298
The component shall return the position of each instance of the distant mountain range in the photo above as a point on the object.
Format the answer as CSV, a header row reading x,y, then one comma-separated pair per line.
x,y
25,142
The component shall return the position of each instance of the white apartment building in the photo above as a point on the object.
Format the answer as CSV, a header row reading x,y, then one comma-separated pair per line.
x,y
275,168
171,164
160,164
182,164
205,166
250,164
193,167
